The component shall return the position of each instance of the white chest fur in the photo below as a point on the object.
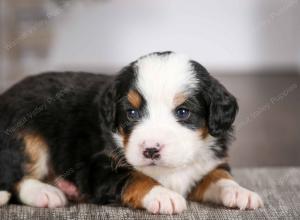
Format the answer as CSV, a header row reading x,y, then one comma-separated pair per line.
x,y
183,179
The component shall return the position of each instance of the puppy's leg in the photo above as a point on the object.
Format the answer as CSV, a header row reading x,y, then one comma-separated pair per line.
x,y
143,192
30,189
219,187
4,197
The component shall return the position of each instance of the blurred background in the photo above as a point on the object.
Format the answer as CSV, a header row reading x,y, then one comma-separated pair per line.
x,y
251,46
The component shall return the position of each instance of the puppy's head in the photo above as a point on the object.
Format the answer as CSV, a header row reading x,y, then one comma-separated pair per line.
x,y
169,111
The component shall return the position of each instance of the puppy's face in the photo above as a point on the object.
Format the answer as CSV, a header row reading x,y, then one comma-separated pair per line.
x,y
166,115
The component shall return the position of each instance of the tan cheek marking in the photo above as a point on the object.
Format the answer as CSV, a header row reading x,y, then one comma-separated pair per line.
x,y
215,175
36,149
124,136
179,99
136,189
203,132
134,99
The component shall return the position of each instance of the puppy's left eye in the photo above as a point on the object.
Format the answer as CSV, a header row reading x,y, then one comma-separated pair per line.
x,y
182,113
133,114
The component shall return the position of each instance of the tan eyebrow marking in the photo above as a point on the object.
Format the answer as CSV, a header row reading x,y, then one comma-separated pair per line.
x,y
134,99
179,99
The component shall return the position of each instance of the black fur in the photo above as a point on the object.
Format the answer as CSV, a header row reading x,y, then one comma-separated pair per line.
x,y
222,105
64,109
221,108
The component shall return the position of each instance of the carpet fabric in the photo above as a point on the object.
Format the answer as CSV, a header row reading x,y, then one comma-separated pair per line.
x,y
279,188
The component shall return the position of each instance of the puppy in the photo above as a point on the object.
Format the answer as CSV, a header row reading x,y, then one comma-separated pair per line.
x,y
151,137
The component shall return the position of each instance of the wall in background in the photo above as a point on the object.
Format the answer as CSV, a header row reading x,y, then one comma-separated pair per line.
x,y
242,35
227,37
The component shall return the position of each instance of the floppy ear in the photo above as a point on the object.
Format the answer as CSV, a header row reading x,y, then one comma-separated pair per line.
x,y
222,106
112,95
107,105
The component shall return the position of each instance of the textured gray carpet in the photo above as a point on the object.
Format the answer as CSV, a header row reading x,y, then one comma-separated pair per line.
x,y
279,188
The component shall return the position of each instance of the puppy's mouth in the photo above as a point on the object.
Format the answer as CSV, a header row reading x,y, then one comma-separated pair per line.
x,y
152,164
155,163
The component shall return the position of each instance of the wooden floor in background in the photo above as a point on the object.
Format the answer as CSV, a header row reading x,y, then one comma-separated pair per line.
x,y
268,123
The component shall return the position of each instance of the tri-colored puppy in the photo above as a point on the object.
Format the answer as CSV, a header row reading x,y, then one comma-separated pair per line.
x,y
152,137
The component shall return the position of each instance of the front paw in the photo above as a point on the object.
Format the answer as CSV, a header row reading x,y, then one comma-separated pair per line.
x,y
160,200
235,196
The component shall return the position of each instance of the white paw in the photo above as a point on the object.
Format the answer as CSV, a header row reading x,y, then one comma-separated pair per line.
x,y
38,194
4,197
235,196
160,200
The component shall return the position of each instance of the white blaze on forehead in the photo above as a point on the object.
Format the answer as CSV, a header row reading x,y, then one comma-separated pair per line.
x,y
161,77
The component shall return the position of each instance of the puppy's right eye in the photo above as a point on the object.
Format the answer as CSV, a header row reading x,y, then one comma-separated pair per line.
x,y
133,114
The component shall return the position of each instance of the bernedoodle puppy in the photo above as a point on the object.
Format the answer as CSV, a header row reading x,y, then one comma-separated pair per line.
x,y
152,137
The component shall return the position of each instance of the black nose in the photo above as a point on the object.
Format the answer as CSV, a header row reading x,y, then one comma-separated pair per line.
x,y
151,153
